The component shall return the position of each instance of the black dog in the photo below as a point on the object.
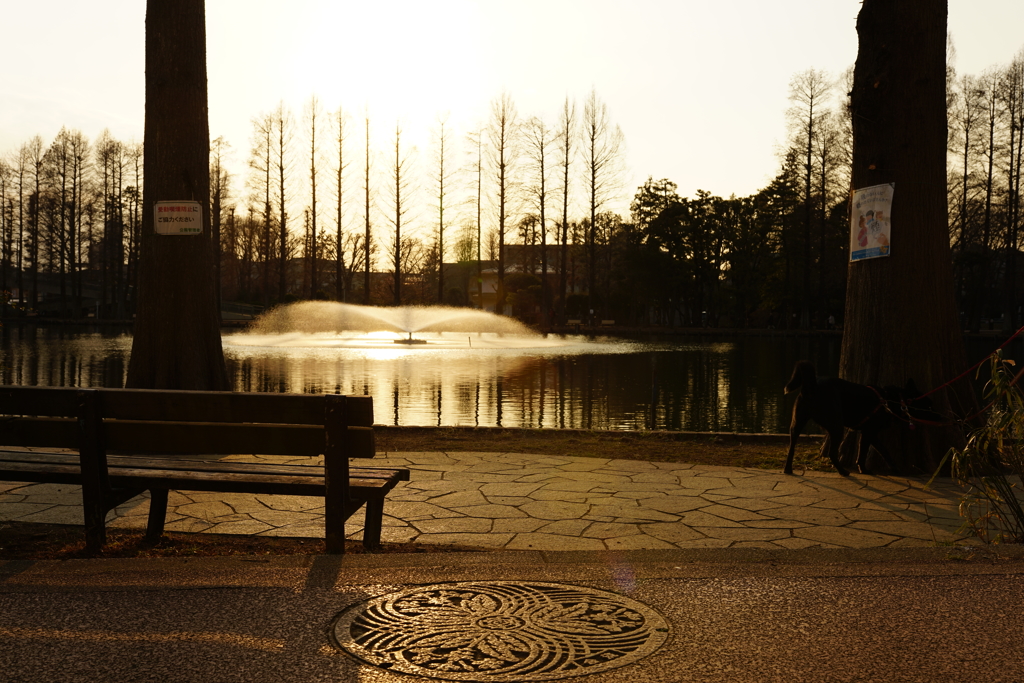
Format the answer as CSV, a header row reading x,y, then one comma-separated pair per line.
x,y
835,404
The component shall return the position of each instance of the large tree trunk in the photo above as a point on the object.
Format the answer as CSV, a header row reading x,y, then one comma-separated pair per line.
x,y
901,317
177,337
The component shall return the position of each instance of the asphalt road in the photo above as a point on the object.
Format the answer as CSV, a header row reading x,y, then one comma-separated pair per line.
x,y
922,615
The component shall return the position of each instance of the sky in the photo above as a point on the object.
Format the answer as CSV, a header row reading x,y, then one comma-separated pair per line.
x,y
699,89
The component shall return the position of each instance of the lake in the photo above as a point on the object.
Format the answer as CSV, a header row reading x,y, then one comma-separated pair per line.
x,y
691,383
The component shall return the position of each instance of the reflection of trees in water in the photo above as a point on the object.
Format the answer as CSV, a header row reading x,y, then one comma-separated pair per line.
x,y
51,356
700,386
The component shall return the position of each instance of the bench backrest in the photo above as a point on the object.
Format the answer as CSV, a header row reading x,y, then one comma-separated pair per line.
x,y
182,422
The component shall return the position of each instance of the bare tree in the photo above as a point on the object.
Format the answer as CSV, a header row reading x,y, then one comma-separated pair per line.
x,y
503,151
966,118
566,137
1011,92
313,115
32,153
340,133
6,231
602,149
367,239
476,168
809,92
220,192
176,344
538,140
282,125
400,187
443,178
261,165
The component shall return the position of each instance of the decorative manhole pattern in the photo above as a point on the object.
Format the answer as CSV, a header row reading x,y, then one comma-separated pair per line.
x,y
500,631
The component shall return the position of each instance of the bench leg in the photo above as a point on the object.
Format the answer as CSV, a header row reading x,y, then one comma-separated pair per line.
x,y
95,522
157,514
374,520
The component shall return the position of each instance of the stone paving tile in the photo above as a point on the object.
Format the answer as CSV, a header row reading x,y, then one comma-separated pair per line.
x,y
659,477
283,517
754,504
743,534
775,524
207,510
844,537
703,483
518,525
629,513
458,499
733,513
20,509
296,503
453,525
607,530
562,485
57,514
490,511
565,527
677,504
637,542
418,510
640,495
477,477
509,489
491,540
704,543
247,527
565,496
310,531
543,509
431,485
188,525
585,466
699,518
819,516
539,541
918,530
508,500
671,533
393,534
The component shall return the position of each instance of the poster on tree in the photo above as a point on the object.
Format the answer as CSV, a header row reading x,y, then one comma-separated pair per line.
x,y
869,222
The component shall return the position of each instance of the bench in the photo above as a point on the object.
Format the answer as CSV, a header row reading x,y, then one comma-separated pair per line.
x,y
607,323
129,441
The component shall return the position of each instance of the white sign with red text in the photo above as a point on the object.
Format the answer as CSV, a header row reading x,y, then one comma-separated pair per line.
x,y
178,218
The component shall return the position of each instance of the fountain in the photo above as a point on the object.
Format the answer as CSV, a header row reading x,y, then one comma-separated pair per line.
x,y
334,324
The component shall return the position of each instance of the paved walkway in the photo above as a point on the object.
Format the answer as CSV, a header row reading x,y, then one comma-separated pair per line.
x,y
534,502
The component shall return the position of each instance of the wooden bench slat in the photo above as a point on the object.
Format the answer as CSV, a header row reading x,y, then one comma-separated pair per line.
x,y
30,457
219,406
52,401
196,479
185,437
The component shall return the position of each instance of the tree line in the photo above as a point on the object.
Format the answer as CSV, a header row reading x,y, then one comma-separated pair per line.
x,y
522,202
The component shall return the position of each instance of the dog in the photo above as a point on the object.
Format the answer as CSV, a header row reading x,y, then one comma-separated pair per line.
x,y
836,404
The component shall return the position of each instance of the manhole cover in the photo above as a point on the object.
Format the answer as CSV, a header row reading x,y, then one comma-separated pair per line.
x,y
500,631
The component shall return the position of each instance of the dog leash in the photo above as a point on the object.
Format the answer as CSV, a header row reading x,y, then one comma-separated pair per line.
x,y
976,365
911,420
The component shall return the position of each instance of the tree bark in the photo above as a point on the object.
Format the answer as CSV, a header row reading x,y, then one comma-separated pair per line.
x,y
901,319
177,341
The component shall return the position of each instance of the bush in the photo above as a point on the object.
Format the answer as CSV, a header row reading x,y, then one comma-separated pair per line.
x,y
991,465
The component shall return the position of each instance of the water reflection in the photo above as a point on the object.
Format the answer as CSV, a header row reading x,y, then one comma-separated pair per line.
x,y
704,384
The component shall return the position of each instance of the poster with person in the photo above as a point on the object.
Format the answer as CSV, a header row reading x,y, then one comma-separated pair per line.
x,y
869,222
